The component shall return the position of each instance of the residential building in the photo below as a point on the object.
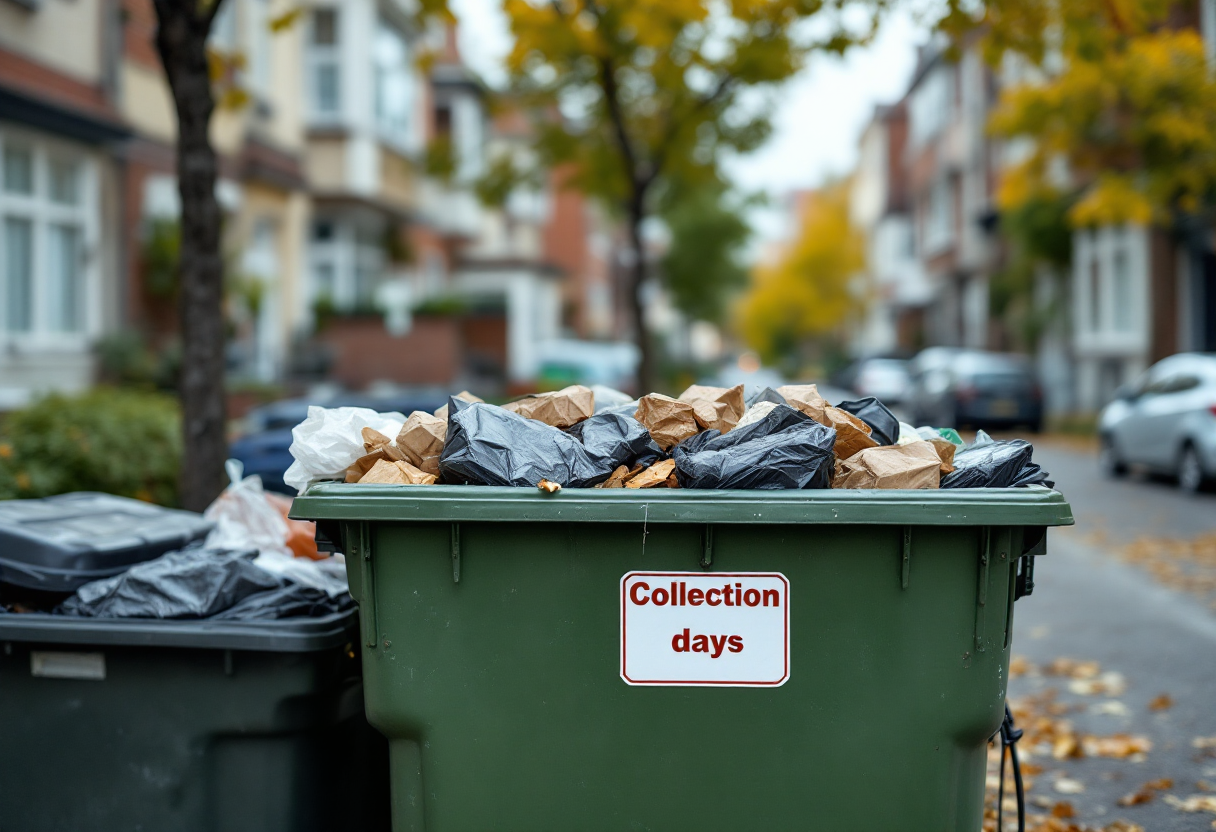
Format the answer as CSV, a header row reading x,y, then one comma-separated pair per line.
x,y
951,179
61,193
897,289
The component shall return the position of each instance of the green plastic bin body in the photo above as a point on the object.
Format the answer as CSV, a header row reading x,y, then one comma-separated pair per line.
x,y
190,726
491,630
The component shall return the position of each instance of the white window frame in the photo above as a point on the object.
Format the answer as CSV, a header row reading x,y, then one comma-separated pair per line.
x,y
43,213
940,212
394,134
345,254
328,55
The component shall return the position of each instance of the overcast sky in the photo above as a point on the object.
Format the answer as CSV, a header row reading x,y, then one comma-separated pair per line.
x,y
819,117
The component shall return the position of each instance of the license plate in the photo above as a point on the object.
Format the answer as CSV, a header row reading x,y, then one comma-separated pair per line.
x,y
1003,407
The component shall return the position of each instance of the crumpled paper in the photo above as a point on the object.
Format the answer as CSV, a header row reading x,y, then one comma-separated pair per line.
x,y
561,409
852,434
653,476
756,412
421,440
397,473
716,408
670,421
806,398
328,441
891,466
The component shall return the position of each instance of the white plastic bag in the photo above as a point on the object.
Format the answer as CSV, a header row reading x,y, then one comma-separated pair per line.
x,y
243,518
326,443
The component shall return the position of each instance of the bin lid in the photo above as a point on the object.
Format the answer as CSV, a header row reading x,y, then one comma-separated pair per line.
x,y
303,634
1031,506
58,544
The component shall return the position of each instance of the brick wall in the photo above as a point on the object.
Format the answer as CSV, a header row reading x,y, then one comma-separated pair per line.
x,y
364,351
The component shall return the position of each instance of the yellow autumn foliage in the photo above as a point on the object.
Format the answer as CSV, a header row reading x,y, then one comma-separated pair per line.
x,y
1132,122
810,290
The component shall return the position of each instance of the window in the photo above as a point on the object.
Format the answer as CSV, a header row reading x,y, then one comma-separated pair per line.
x,y
1121,291
18,170
346,264
324,65
44,227
939,216
18,273
1095,296
932,104
392,83
260,46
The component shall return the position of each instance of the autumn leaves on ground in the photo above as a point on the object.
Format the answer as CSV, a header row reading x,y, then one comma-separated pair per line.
x,y
1057,755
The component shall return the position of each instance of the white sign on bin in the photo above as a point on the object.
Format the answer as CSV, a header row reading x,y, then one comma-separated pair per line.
x,y
724,629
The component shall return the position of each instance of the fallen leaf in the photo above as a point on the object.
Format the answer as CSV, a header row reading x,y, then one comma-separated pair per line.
x,y
1112,707
1072,668
1161,702
1194,803
1118,746
549,487
1204,742
1136,798
1063,809
1066,785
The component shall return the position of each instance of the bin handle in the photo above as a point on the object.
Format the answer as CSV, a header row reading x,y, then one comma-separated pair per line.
x,y
367,600
905,559
707,554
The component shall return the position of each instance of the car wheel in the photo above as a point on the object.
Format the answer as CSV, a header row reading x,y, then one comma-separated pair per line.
x,y
1110,461
1191,477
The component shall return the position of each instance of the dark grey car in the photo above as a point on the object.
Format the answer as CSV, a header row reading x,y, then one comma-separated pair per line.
x,y
970,388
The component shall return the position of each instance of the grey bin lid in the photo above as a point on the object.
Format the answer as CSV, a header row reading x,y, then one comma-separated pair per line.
x,y
299,634
58,544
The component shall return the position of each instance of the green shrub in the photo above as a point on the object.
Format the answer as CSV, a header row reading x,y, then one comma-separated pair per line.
x,y
111,440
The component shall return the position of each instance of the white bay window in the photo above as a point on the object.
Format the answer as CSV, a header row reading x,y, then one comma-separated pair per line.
x,y
48,221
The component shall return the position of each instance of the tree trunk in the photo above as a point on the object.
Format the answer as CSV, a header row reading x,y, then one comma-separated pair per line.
x,y
637,307
181,39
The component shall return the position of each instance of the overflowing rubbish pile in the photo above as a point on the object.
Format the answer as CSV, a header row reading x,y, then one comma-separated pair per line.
x,y
243,559
707,438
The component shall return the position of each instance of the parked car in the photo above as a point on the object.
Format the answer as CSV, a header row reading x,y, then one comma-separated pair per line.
x,y
1165,422
970,388
264,447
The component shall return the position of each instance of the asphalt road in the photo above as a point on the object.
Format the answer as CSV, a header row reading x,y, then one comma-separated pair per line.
x,y
1090,605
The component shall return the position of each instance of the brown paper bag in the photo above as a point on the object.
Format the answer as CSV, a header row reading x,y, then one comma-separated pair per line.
x,y
852,434
945,450
805,397
365,463
561,409
653,476
616,479
442,413
670,421
916,465
720,418
397,473
421,440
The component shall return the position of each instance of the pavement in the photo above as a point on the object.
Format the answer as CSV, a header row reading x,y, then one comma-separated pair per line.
x,y
1092,606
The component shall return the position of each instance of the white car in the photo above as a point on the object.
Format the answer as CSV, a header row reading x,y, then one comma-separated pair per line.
x,y
1165,422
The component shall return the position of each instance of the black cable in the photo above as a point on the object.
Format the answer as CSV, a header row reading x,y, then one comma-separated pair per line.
x,y
1009,738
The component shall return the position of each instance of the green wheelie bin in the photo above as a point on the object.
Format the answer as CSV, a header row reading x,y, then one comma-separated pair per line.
x,y
685,660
